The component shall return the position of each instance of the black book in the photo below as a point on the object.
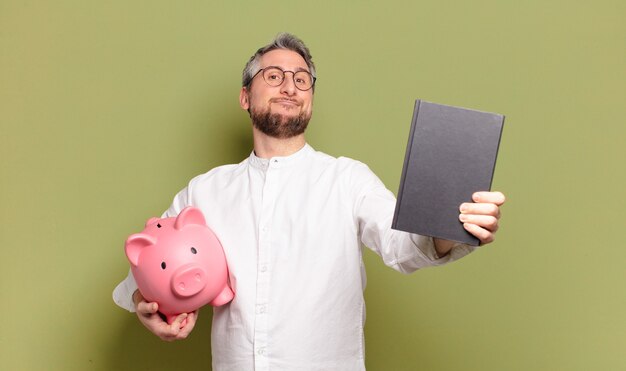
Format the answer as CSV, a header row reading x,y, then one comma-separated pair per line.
x,y
451,154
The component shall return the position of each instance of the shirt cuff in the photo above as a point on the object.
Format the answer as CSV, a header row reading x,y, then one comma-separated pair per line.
x,y
426,247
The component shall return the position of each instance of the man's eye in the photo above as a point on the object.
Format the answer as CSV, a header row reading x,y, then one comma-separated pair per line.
x,y
303,78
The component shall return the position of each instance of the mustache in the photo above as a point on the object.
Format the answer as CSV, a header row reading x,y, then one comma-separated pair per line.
x,y
282,99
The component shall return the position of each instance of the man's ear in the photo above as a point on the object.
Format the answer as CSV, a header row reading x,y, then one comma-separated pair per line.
x,y
244,101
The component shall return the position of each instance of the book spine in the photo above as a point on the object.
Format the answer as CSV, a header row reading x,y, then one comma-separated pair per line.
x,y
405,167
495,158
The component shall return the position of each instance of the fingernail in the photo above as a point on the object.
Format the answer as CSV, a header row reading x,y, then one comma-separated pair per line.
x,y
463,217
463,208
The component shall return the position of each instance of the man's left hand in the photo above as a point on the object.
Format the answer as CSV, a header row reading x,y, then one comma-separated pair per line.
x,y
481,217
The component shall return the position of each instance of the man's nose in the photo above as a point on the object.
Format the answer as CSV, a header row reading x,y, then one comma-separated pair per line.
x,y
288,86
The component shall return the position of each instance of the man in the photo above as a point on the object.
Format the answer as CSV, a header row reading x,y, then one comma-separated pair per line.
x,y
292,222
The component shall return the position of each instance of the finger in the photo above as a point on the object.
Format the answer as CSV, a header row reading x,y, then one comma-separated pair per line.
x,y
489,197
487,222
191,322
177,324
482,234
147,308
172,331
192,318
157,326
169,332
480,209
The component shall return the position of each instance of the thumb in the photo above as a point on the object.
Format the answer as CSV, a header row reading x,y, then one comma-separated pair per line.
x,y
147,308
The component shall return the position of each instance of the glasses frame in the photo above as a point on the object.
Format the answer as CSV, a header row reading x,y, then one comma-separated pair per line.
x,y
293,77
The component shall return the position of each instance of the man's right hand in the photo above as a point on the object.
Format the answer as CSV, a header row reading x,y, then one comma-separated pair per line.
x,y
149,317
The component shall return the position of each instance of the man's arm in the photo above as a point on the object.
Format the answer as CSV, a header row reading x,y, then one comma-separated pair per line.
x,y
479,218
374,207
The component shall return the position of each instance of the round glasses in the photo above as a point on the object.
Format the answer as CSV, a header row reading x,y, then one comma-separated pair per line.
x,y
275,76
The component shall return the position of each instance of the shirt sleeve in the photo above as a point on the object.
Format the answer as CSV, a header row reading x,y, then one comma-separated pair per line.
x,y
123,293
374,206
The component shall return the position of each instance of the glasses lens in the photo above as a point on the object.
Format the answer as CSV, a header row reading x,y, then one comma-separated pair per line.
x,y
273,76
303,80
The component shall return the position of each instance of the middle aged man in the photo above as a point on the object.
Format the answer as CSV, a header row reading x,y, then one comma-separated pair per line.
x,y
292,222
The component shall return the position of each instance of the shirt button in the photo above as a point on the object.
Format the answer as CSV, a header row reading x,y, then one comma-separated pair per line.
x,y
263,268
264,229
262,309
261,351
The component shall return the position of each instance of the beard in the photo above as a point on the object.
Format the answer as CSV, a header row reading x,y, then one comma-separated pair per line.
x,y
278,126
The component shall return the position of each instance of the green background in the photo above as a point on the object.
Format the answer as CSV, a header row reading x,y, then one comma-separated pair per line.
x,y
108,108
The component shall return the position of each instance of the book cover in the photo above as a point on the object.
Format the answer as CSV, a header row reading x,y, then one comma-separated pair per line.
x,y
451,153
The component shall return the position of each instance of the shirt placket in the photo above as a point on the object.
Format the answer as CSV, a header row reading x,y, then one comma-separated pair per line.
x,y
261,351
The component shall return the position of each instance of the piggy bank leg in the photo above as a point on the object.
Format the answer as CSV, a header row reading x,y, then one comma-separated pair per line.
x,y
224,297
170,318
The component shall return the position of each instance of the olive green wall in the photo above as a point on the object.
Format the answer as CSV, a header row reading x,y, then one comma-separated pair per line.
x,y
108,108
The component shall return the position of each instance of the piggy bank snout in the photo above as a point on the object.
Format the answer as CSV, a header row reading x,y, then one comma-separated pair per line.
x,y
188,280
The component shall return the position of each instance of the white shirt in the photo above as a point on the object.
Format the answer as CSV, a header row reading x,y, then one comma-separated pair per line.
x,y
292,230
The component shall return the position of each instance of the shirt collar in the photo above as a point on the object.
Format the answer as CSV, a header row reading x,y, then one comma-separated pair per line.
x,y
279,161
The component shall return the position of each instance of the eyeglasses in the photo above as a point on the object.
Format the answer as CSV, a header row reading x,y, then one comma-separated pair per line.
x,y
275,76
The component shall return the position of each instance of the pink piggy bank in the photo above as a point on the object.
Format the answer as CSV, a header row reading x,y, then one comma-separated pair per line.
x,y
179,263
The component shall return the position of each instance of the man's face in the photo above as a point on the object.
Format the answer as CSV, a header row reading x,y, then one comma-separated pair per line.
x,y
280,111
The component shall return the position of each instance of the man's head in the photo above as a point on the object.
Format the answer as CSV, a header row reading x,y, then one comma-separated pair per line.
x,y
277,87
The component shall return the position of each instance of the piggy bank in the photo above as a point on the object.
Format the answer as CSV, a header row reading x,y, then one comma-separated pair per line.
x,y
179,263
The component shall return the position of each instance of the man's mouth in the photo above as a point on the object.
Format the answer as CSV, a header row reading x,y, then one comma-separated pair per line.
x,y
290,102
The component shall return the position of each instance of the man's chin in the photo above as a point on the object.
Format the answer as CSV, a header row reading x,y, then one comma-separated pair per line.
x,y
279,125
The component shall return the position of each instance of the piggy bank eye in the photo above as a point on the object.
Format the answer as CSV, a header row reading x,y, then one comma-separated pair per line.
x,y
193,250
163,265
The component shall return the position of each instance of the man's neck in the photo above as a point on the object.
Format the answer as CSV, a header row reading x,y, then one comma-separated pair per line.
x,y
267,147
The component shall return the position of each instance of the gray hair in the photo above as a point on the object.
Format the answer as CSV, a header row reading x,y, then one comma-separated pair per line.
x,y
282,41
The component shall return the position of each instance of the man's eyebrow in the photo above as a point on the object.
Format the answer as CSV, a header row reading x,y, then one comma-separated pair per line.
x,y
297,69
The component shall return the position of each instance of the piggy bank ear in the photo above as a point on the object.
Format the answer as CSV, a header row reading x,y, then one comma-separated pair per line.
x,y
135,244
151,221
189,215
